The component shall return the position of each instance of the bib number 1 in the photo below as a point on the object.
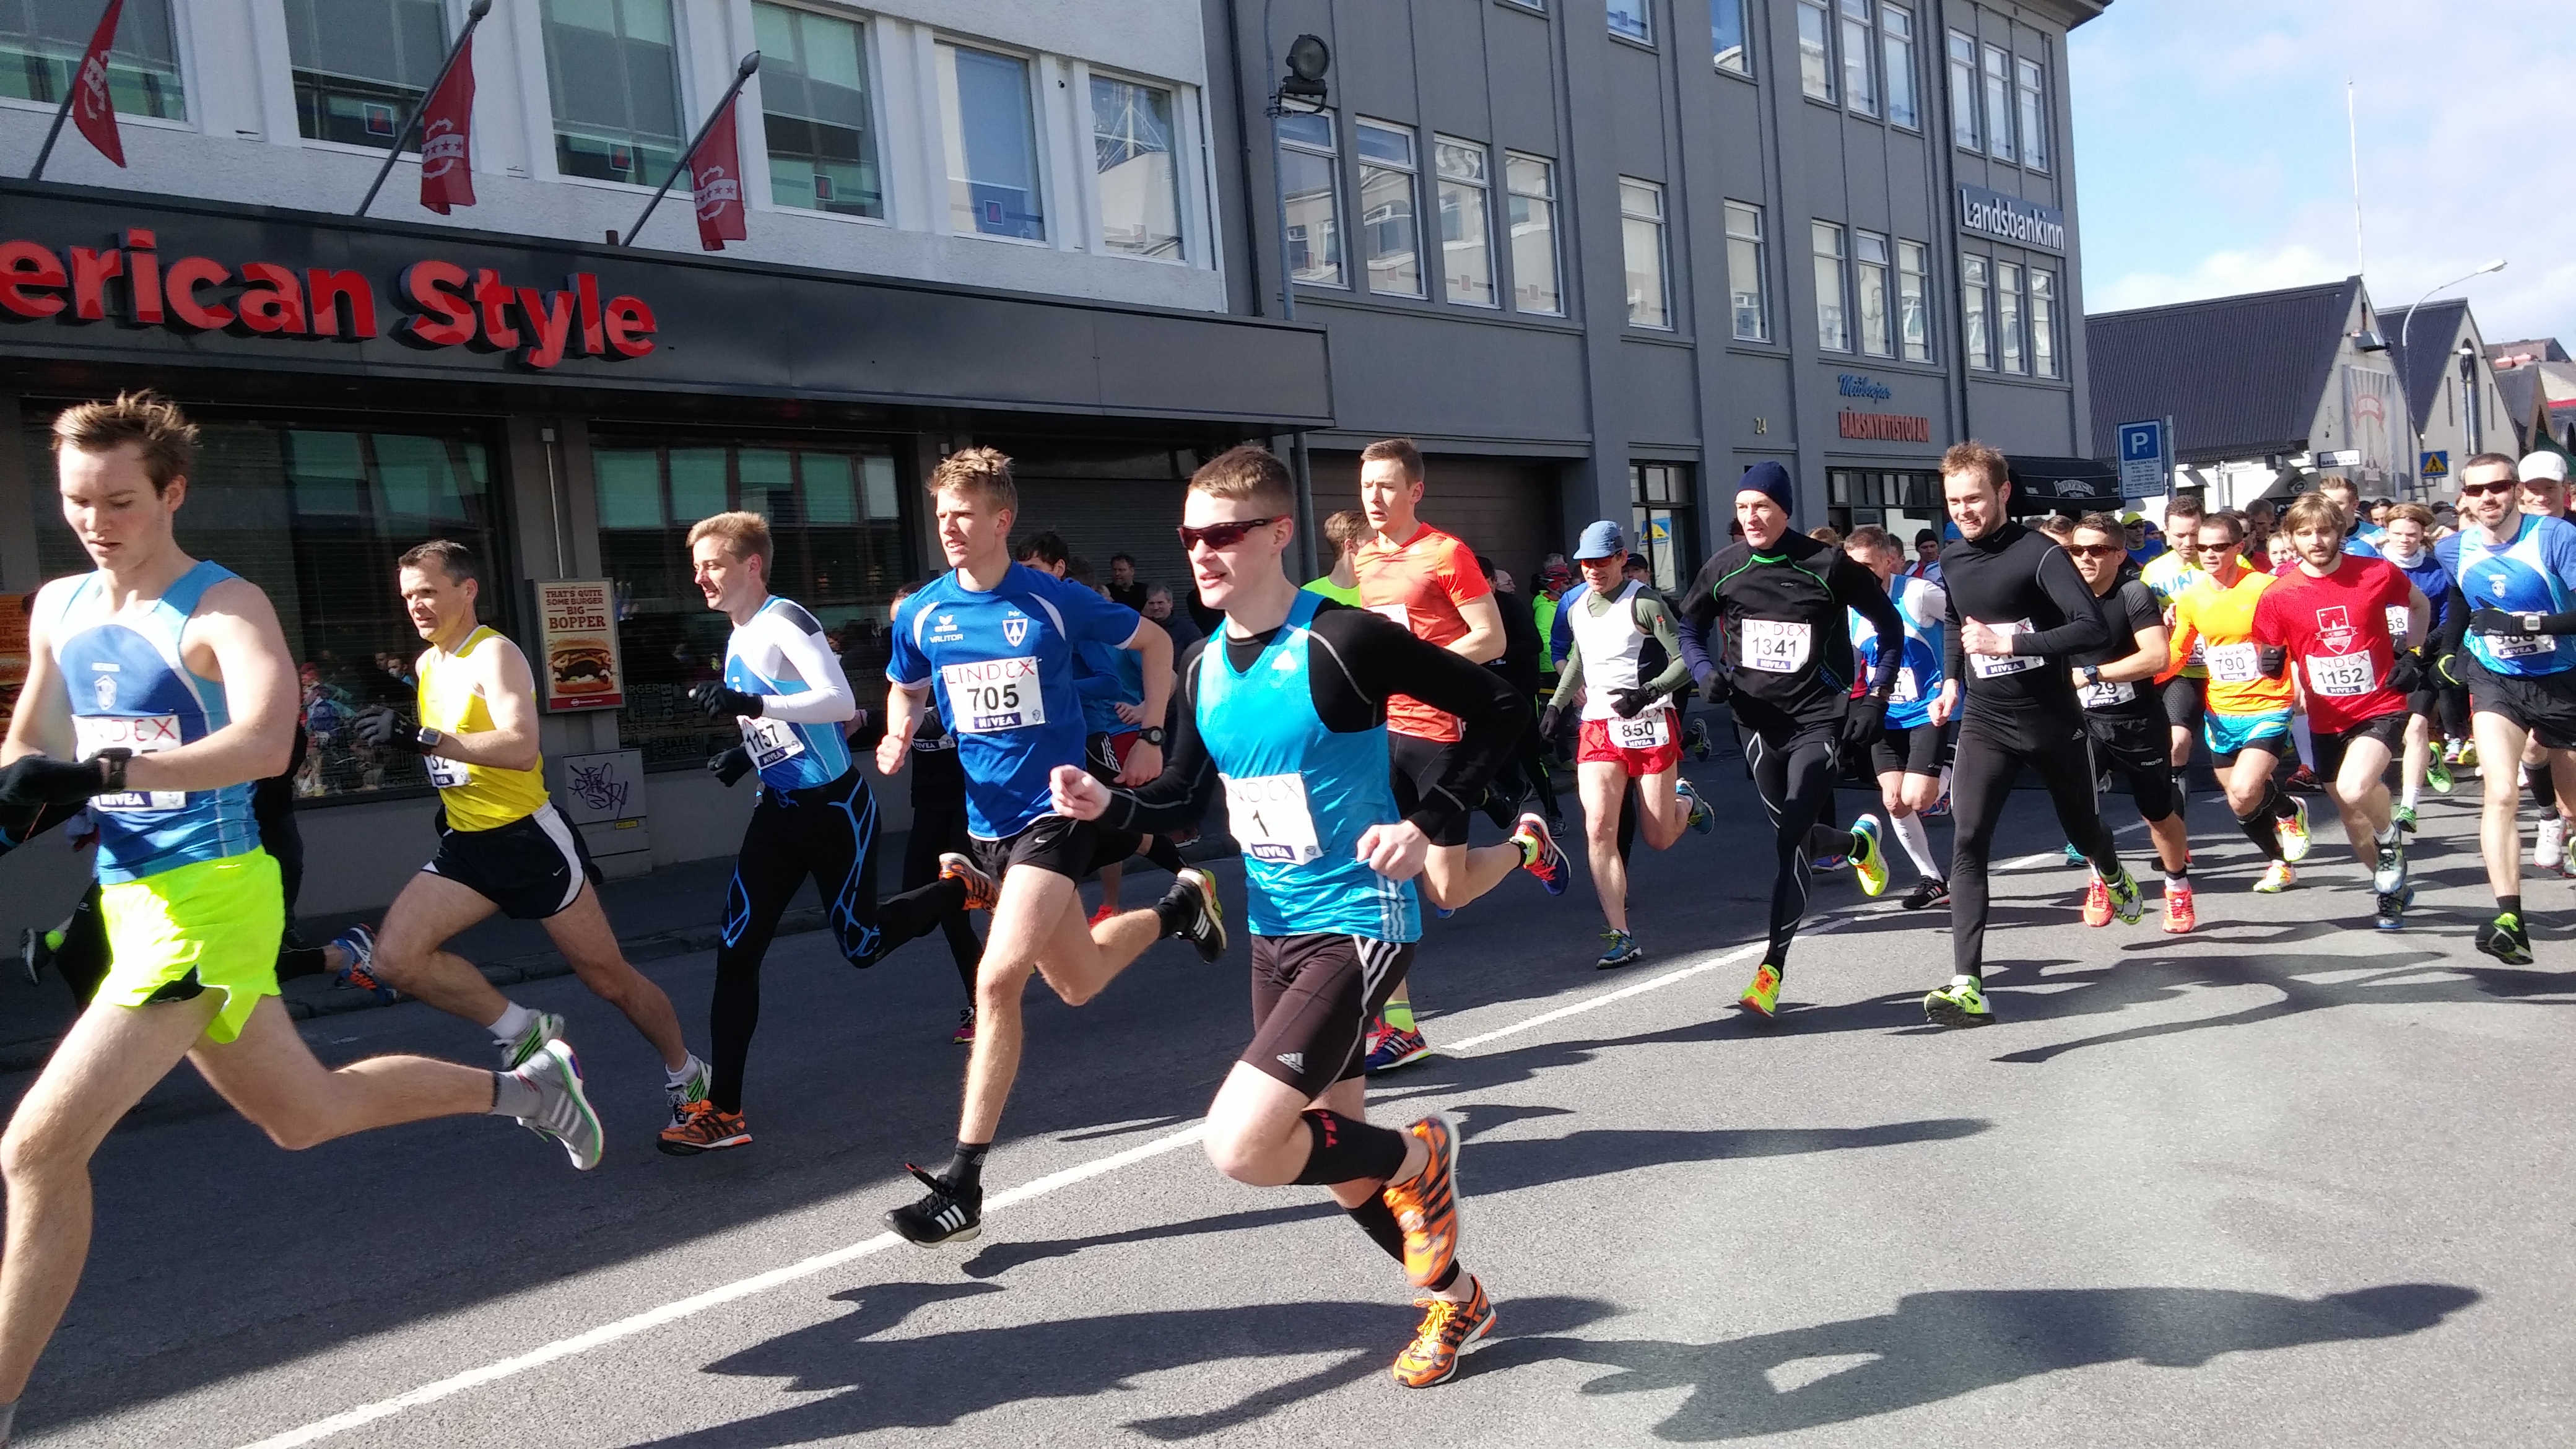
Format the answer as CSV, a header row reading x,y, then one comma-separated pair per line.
x,y
1268,818
144,735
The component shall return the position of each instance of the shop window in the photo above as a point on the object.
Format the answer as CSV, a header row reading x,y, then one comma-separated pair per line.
x,y
1876,332
1632,20
361,65
1641,236
1833,312
1392,239
1726,36
1860,90
815,115
1664,513
1140,188
1745,292
1896,51
1466,227
835,518
991,136
316,517
1532,186
615,78
42,42
1308,181
1963,93
1914,300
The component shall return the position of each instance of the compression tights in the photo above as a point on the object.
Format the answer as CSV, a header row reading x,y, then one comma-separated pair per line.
x,y
1795,780
1981,784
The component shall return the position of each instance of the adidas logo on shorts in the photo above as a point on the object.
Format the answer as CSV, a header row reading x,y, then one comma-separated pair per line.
x,y
1293,1061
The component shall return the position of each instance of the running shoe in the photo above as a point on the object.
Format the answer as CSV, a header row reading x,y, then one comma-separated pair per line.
x,y
2304,781
1702,819
1695,740
981,889
2388,876
1940,807
2404,816
1539,854
1827,864
2505,939
2277,877
2294,833
1426,1204
2465,756
948,1213
1762,998
701,1126
35,952
1501,806
1104,913
2127,901
359,944
1448,1330
1928,892
2076,857
1203,925
2437,773
1389,1048
964,1035
545,1028
1624,951
2180,914
2549,852
1869,862
690,1088
2097,902
1961,1003
2392,908
563,1108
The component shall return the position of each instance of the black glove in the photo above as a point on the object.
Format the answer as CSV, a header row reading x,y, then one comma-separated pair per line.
x,y
723,703
730,766
40,780
1861,724
381,727
1547,722
1713,687
2497,621
2272,660
2442,667
1628,702
2407,674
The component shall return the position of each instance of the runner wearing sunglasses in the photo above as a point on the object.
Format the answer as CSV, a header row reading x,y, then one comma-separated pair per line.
x,y
2123,715
2248,724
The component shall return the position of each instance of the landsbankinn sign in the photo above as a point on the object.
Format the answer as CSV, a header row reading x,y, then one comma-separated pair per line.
x,y
1991,213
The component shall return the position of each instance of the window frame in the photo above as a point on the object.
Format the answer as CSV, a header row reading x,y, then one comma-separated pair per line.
x,y
1659,221
2039,314
869,75
1996,77
1896,59
2030,111
1182,255
1760,270
1331,155
1743,52
1823,73
1555,254
1657,486
1861,268
1976,307
1914,311
1839,260
1645,17
1041,189
1965,133
554,122
1859,73
1412,172
1441,181
2012,349
408,144
184,68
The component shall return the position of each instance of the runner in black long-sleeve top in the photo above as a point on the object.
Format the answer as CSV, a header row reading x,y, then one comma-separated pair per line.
x,y
1784,657
2018,613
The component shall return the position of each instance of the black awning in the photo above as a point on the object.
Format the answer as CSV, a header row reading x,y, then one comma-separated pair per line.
x,y
2062,485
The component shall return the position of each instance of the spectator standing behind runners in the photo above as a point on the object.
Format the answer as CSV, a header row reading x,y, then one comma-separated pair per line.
x,y
2247,724
1908,754
1783,656
1927,557
1124,587
2019,613
1286,715
1177,623
991,642
2332,621
2116,684
161,647
502,846
1343,530
2438,711
2186,695
1427,581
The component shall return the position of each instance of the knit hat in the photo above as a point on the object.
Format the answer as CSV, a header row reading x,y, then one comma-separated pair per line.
x,y
1769,478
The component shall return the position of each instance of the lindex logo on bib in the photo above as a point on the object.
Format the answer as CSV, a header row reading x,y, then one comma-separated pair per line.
x,y
995,694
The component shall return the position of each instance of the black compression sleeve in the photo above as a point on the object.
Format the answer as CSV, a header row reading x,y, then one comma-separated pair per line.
x,y
1692,621
1365,658
1859,590
2084,630
1954,654
2454,632
1178,797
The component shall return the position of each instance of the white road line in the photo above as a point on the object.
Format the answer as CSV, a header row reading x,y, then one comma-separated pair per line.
x,y
1466,1044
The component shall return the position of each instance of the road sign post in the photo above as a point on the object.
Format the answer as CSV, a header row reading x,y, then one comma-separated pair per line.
x,y
2146,458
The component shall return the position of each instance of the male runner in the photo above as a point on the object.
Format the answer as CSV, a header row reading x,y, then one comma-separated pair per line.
x,y
2438,711
2513,576
2543,476
2018,614
2340,490
1628,731
1345,530
168,681
2116,684
1781,602
992,641
501,844
2332,619
1908,756
2248,722
1428,582
1286,713
2169,576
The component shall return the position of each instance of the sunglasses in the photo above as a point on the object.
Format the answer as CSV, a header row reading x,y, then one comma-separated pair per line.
x,y
1222,535
2094,550
2480,490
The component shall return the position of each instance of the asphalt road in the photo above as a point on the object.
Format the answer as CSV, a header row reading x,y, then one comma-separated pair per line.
x,y
2285,1181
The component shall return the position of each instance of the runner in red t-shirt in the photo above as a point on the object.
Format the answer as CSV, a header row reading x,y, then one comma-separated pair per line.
x,y
2351,627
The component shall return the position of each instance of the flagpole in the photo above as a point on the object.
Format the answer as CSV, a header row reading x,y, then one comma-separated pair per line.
x,y
473,16
741,76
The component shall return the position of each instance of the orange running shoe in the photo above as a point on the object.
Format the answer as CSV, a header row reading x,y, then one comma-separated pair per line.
x,y
2180,916
1426,1204
1448,1330
700,1127
1104,913
1762,998
981,889
2097,902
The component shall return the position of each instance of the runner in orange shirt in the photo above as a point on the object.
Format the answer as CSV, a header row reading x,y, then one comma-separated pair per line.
x,y
1428,581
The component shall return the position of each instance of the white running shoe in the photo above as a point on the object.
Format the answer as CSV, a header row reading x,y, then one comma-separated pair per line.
x,y
516,1054
563,1108
2550,851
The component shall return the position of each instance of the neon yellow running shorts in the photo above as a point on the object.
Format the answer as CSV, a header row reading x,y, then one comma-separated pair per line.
x,y
219,919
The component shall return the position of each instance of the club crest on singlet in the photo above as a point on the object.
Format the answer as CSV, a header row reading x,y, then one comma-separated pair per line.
x,y
2335,631
1015,629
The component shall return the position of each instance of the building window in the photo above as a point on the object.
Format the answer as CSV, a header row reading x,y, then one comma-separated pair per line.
x,y
1975,289
1664,513
41,45
616,85
1531,184
1744,273
834,521
1312,199
1726,34
1466,225
2043,323
1632,20
1833,314
1140,187
1914,300
1999,133
814,112
2031,94
1896,51
1641,234
1963,93
1815,53
1859,89
2008,344
1877,336
361,65
1393,240
984,113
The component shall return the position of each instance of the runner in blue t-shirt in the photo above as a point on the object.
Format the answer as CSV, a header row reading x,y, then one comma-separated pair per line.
x,y
1911,753
994,642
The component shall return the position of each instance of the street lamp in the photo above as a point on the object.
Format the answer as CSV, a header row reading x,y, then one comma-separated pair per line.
x,y
2412,432
1301,91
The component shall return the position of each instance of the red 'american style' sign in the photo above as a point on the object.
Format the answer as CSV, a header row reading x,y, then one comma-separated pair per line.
x,y
448,305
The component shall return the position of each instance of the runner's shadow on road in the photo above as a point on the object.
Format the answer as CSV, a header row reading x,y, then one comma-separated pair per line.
x,y
1599,1151
1938,1346
999,1258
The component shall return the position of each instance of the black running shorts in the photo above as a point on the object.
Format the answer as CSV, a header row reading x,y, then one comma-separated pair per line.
x,y
1915,751
1418,765
1313,998
2186,700
2389,729
2544,704
1071,848
2136,748
531,868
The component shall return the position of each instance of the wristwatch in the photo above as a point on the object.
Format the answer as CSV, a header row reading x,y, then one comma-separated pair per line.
x,y
2531,622
2092,674
1152,735
428,739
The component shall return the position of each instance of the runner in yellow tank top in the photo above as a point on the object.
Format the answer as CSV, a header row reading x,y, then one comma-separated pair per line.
x,y
475,797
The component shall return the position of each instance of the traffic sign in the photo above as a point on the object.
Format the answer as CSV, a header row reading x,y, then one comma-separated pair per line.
x,y
2146,458
2437,463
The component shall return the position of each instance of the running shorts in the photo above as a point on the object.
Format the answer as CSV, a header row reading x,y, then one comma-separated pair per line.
x,y
1313,997
2544,704
1070,848
1598,741
211,925
1418,765
2186,700
1919,750
2228,734
2389,729
2136,748
1105,755
532,868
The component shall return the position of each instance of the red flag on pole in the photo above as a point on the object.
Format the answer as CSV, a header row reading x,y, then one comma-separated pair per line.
x,y
446,137
93,110
715,177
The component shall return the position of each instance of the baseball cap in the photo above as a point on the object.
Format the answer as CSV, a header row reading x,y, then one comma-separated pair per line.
x,y
2544,465
1600,540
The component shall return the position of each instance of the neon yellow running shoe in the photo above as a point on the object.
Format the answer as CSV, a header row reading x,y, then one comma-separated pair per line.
x,y
1762,998
1869,861
2294,832
1961,1003
2277,877
2437,774
2127,901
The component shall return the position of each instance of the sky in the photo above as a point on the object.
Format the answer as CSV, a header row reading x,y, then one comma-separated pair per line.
x,y
2211,155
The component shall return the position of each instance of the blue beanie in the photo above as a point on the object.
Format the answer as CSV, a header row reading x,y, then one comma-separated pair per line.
x,y
1770,478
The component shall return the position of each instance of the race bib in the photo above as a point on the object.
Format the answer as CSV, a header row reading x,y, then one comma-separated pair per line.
x,y
2342,674
1649,731
1995,666
144,734
2397,621
444,773
1778,646
1267,816
991,696
2199,655
2108,693
769,741
2520,646
2234,664
1396,614
1908,688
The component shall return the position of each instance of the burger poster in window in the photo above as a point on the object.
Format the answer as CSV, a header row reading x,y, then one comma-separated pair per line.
x,y
577,638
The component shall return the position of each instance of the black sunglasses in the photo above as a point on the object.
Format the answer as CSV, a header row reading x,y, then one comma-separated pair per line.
x,y
1222,535
2480,490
